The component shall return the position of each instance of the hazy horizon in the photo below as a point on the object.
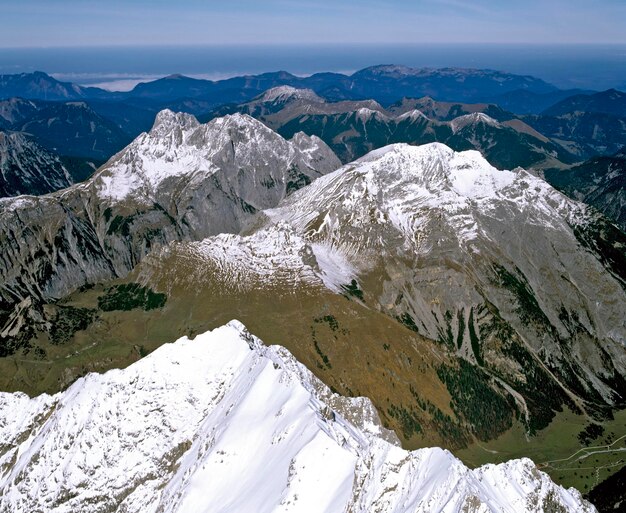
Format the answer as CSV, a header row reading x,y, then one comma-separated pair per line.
x,y
120,68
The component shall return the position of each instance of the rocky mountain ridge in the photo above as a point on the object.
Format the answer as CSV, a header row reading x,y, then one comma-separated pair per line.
x,y
153,437
353,128
180,181
436,239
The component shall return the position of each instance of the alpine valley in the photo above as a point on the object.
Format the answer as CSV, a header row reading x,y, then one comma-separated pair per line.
x,y
436,256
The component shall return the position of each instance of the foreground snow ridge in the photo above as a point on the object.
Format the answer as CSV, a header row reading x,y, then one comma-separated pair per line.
x,y
223,423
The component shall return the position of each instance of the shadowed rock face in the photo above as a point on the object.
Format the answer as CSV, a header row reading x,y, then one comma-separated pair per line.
x,y
600,182
26,168
180,181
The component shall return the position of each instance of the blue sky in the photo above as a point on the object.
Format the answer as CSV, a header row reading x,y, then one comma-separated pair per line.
x,y
27,23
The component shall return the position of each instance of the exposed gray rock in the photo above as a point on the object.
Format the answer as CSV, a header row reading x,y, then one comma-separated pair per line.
x,y
180,181
27,168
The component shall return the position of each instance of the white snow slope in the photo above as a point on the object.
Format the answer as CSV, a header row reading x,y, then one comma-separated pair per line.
x,y
223,423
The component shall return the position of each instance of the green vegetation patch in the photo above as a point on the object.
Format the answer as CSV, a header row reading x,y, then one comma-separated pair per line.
x,y
474,339
590,433
446,337
328,319
407,419
68,321
119,224
544,397
487,412
322,355
448,428
461,320
529,309
408,321
130,296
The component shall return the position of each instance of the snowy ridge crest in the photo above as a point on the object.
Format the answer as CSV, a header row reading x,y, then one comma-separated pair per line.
x,y
179,146
286,93
398,184
199,425
276,257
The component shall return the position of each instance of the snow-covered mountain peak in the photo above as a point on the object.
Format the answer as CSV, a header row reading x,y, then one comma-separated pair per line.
x,y
238,123
167,120
434,167
474,118
179,146
317,153
402,187
365,114
223,423
286,93
237,130
412,115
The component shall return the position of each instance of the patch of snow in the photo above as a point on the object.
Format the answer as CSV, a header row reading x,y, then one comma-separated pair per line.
x,y
412,115
178,146
365,114
334,268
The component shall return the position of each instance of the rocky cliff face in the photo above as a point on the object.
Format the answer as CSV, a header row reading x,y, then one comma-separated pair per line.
x,y
26,168
180,181
492,263
600,182
199,425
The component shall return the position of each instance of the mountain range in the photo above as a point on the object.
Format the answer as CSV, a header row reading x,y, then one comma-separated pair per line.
x,y
384,83
85,126
480,285
353,128
83,135
181,180
404,237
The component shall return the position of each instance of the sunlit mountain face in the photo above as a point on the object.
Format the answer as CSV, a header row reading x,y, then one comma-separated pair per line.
x,y
312,257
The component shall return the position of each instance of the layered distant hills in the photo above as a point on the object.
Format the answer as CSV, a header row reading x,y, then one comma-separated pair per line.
x,y
513,120
384,83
